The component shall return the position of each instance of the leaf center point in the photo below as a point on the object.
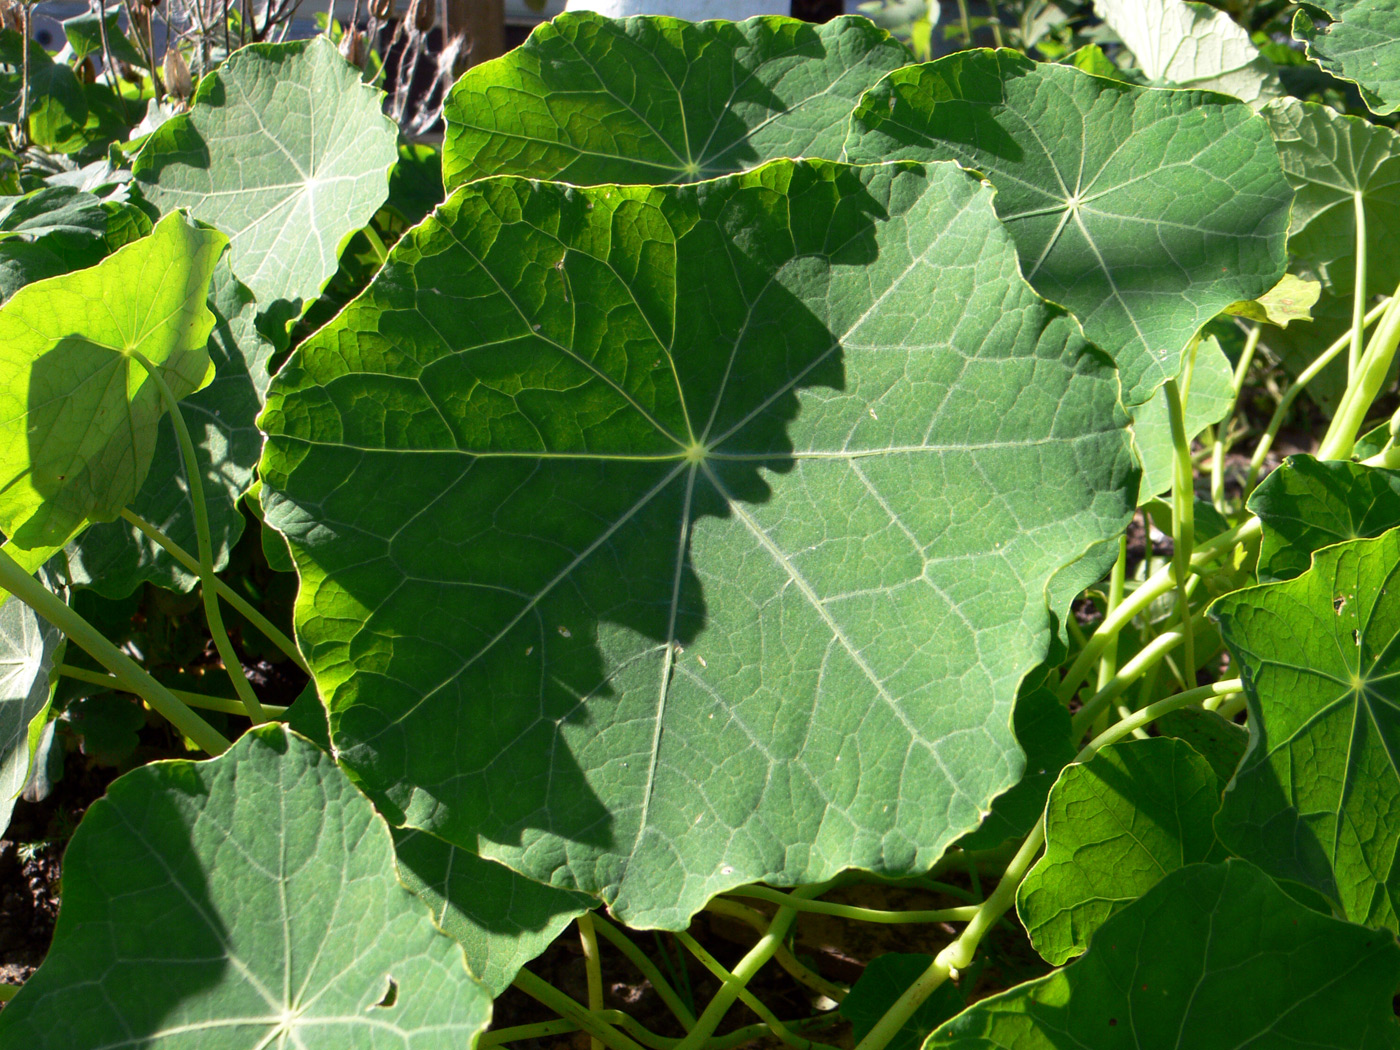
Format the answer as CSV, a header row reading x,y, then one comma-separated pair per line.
x,y
696,453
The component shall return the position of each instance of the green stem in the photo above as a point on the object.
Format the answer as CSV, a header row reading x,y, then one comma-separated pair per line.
x,y
574,1011
134,679
1108,663
966,23
1159,583
1358,294
375,242
526,1031
232,664
1183,516
783,956
1222,442
958,955
24,27
223,704
593,968
1147,657
224,591
850,911
1362,391
748,998
1305,377
749,965
648,969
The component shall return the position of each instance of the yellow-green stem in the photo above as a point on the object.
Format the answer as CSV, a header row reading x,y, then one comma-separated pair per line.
x,y
849,911
1362,390
133,677
1183,516
648,969
1358,294
783,956
569,1008
223,704
593,968
232,664
1108,663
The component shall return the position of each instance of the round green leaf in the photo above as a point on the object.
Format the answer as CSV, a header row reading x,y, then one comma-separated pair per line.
x,y
502,920
286,149
1113,827
589,99
1144,212
28,649
743,501
1214,957
1357,45
1316,797
78,417
1191,45
116,557
249,901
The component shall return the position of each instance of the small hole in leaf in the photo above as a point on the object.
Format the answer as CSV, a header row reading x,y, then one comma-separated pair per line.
x,y
1355,636
391,995
1338,604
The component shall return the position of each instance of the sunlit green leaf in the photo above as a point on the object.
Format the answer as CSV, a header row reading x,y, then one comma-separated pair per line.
x,y
245,902
1144,212
1214,957
1358,45
1114,826
1316,797
589,99
78,416
28,648
286,149
746,500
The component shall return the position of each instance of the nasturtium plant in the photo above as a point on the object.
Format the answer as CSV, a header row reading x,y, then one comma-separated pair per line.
x,y
1114,826
742,487
261,889
80,413
1356,42
591,100
658,441
1144,212
1315,797
288,151
1154,977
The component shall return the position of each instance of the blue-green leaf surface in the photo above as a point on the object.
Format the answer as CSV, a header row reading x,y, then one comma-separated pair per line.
x,y
589,99
1358,44
1144,212
655,540
1317,795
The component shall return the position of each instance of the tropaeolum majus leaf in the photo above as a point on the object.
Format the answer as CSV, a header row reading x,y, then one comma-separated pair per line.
x,y
28,648
115,557
78,415
1316,797
589,99
654,540
1113,827
287,149
1145,212
1357,45
249,901
1214,957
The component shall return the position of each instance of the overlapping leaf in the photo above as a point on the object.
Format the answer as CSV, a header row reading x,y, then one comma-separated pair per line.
x,y
1316,797
286,149
881,983
1214,957
589,99
1191,45
1357,45
742,501
1307,504
1144,212
1114,826
80,416
502,920
1208,398
115,557
28,648
245,902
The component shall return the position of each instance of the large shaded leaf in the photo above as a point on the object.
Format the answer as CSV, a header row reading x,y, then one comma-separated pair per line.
x,y
28,648
1357,45
1307,504
589,99
1144,212
1316,797
1330,160
115,557
41,247
881,983
1191,45
1214,957
1114,826
245,902
502,920
286,149
1219,742
78,417
745,498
